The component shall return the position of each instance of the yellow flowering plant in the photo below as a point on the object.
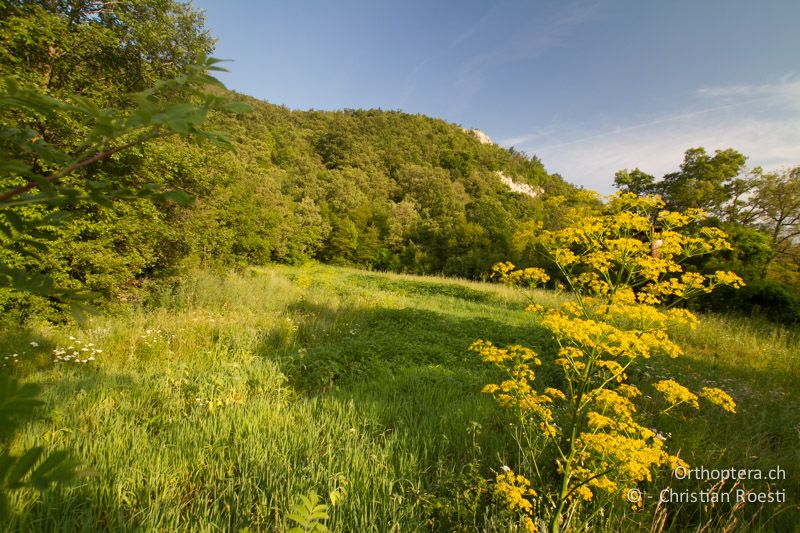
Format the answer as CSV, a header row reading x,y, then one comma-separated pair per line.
x,y
625,271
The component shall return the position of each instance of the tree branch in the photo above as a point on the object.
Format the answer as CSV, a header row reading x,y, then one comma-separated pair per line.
x,y
153,134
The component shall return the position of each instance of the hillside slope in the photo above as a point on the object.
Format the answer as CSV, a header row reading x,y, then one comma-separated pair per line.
x,y
379,189
383,189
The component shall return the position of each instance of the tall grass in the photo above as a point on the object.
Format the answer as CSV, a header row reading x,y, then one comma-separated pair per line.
x,y
216,403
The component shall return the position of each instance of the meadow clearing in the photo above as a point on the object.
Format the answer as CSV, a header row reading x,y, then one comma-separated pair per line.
x,y
225,397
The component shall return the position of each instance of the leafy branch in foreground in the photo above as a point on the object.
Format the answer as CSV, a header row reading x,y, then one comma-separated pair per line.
x,y
309,514
40,178
625,270
42,184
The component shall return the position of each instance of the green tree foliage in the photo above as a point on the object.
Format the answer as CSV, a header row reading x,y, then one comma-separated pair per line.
x,y
635,181
99,49
775,208
54,192
379,189
703,181
370,188
759,211
89,57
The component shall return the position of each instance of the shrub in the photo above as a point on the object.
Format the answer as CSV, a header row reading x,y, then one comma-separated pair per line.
x,y
769,299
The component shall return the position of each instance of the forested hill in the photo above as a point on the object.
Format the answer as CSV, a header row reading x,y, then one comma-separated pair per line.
x,y
376,188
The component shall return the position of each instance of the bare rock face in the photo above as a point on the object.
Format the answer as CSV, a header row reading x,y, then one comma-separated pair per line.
x,y
481,136
521,188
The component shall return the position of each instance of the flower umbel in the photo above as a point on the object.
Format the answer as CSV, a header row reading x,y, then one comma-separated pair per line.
x,y
625,277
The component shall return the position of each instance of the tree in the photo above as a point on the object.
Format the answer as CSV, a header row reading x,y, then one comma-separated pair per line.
x,y
45,183
100,49
707,182
775,203
636,181
703,181
439,200
739,210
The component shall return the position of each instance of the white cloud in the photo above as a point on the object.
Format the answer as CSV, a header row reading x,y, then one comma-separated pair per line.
x,y
785,91
761,121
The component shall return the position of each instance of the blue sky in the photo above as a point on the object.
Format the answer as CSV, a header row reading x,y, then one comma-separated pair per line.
x,y
589,87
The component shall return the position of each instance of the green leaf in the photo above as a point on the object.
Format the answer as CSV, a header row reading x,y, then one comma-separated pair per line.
x,y
14,167
235,107
14,219
16,401
85,105
21,467
309,513
179,197
59,467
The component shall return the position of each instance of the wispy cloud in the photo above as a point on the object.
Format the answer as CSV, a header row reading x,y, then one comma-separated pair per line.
x,y
529,39
785,91
533,34
761,121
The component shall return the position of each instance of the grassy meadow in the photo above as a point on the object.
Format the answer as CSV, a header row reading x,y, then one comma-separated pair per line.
x,y
225,397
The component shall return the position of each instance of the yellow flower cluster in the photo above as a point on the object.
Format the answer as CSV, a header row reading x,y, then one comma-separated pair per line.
x,y
555,394
728,278
614,442
515,491
627,201
516,391
603,339
633,458
629,391
604,483
584,492
621,244
526,276
528,524
644,317
494,354
619,268
502,270
653,268
719,397
672,220
676,394
682,317
565,256
535,308
589,479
